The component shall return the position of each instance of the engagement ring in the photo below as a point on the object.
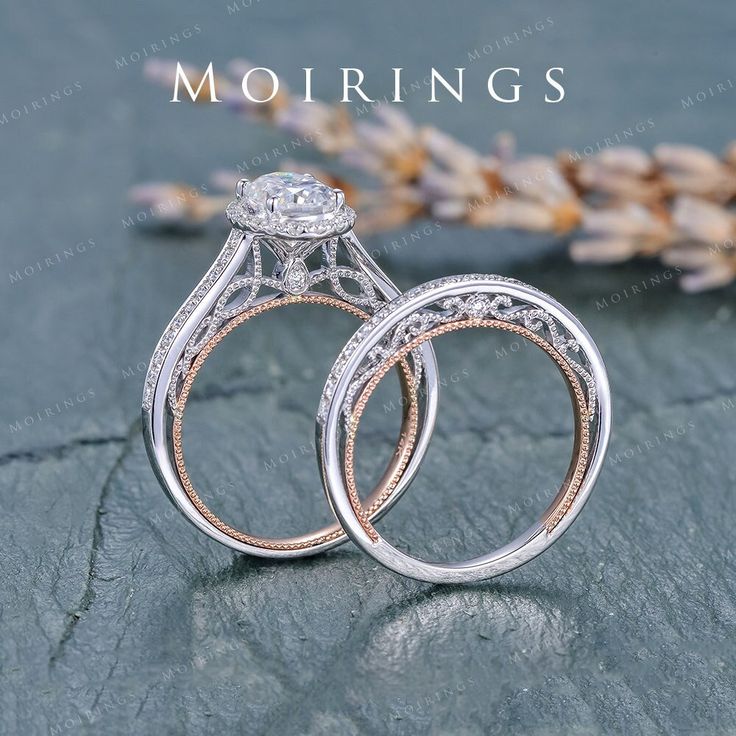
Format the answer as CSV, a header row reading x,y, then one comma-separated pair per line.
x,y
292,243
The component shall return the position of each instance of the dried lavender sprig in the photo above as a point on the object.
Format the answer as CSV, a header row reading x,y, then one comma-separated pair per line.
x,y
621,202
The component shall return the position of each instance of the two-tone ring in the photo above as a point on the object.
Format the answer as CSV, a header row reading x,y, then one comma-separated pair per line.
x,y
409,322
292,243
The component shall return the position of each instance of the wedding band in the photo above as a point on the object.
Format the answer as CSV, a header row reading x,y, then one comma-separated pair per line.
x,y
291,243
406,325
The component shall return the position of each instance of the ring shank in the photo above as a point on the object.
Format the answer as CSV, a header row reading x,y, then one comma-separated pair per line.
x,y
374,502
408,323
566,495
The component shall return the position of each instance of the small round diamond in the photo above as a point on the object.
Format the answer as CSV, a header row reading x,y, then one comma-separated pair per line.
x,y
477,306
296,277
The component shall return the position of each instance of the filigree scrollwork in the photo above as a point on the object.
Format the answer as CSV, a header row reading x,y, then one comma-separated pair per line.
x,y
237,297
291,275
475,306
366,297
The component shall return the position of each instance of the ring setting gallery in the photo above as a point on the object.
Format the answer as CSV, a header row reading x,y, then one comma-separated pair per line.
x,y
291,243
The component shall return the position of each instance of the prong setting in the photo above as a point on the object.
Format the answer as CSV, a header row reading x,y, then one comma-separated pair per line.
x,y
240,187
289,206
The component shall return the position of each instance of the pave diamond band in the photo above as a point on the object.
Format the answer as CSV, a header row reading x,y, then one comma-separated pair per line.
x,y
403,326
293,245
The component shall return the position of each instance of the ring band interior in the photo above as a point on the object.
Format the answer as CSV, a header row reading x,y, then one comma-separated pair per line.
x,y
575,473
386,485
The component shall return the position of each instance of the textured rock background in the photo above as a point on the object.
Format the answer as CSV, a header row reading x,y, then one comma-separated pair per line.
x,y
118,617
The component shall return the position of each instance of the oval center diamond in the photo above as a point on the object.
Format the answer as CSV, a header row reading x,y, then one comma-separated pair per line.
x,y
294,195
290,206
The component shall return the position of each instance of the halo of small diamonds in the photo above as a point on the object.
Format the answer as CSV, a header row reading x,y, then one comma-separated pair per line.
x,y
291,206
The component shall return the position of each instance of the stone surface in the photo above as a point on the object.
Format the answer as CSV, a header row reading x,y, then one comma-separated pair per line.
x,y
117,617
295,195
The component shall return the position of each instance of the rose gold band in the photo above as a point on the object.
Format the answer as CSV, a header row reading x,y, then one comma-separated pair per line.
x,y
574,476
386,485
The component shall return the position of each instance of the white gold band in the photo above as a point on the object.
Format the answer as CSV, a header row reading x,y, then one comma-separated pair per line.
x,y
408,322
311,258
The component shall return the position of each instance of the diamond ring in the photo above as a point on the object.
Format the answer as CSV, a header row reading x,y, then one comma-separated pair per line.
x,y
407,324
291,243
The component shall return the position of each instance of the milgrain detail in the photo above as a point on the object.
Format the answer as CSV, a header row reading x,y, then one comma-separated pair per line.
x,y
415,323
242,291
273,223
291,243
409,324
581,403
240,295
374,502
177,321
500,307
349,462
